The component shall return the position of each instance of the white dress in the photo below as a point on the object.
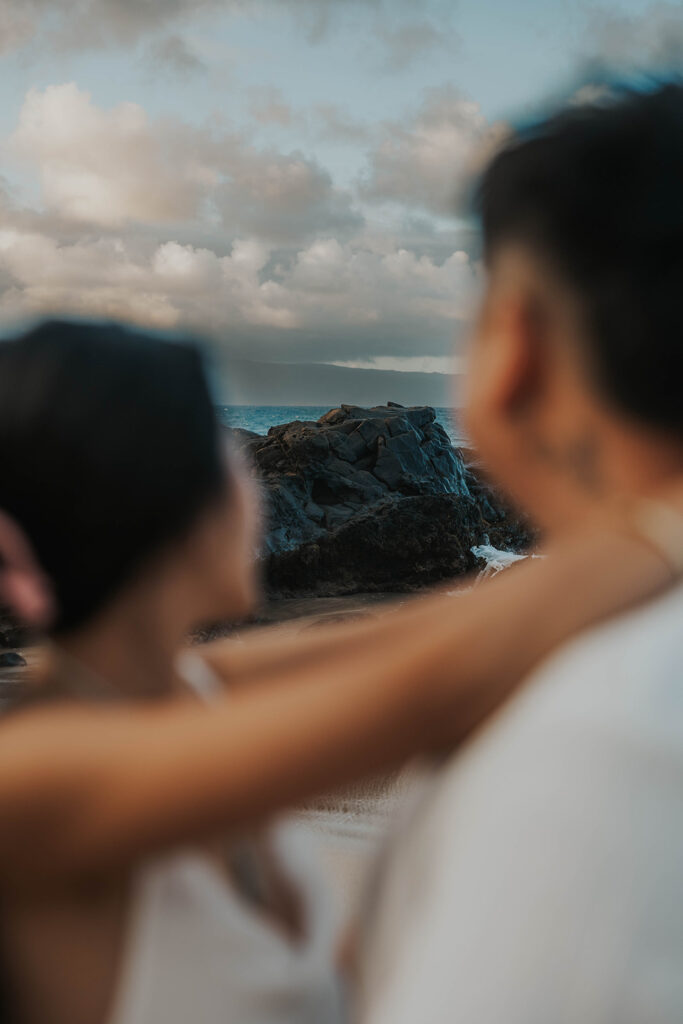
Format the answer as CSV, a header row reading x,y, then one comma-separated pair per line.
x,y
198,952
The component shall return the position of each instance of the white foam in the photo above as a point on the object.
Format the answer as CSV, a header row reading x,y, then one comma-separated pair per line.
x,y
496,560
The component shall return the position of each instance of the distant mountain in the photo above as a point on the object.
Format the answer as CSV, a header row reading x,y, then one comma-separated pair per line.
x,y
252,383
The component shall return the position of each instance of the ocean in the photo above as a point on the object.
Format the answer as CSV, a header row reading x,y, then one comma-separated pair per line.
x,y
260,418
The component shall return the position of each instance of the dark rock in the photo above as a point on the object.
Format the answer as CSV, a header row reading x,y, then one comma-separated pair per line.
x,y
11,633
11,659
402,545
371,499
246,435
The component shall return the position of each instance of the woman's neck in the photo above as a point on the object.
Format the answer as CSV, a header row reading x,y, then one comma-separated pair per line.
x,y
130,648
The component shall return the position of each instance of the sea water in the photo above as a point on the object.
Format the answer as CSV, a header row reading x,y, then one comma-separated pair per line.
x,y
260,418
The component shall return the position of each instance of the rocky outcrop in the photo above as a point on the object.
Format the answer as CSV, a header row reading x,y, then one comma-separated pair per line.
x,y
11,659
319,475
11,634
399,545
371,499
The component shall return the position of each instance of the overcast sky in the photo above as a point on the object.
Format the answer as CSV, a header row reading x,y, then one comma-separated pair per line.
x,y
284,174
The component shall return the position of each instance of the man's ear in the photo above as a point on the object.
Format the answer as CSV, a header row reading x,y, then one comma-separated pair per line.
x,y
520,360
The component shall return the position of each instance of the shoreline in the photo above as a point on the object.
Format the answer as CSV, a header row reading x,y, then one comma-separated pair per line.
x,y
307,611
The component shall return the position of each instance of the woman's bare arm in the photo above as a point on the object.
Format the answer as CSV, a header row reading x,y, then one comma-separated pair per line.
x,y
253,655
84,790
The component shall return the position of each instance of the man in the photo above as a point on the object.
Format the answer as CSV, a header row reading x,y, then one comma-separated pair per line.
x,y
541,878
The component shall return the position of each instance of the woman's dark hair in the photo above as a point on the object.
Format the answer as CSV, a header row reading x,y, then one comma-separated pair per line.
x,y
597,191
109,450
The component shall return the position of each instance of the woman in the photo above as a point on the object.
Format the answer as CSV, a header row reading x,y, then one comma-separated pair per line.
x,y
129,891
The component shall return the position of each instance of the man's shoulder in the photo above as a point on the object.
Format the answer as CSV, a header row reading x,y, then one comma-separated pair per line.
x,y
634,659
651,631
604,698
560,816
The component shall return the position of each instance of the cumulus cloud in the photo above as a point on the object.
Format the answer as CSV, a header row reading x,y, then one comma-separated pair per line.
x,y
108,167
283,197
327,301
421,161
172,225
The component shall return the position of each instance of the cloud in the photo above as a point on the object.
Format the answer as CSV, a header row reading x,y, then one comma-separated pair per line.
x,y
268,106
328,301
590,93
331,122
172,225
392,34
89,277
17,25
174,55
76,24
651,38
318,16
283,197
405,44
108,167
423,162
407,364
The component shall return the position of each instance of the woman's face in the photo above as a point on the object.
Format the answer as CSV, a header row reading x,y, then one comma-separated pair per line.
x,y
224,545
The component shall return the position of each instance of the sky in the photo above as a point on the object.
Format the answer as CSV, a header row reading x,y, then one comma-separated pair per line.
x,y
287,177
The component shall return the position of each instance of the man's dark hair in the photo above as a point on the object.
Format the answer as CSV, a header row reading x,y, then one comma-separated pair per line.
x,y
109,451
597,191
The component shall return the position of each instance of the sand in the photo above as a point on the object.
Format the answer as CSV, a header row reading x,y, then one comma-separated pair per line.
x,y
349,829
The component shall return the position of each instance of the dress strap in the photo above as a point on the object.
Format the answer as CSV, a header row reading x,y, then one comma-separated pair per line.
x,y
198,677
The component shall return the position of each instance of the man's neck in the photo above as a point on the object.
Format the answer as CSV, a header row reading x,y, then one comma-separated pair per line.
x,y
603,470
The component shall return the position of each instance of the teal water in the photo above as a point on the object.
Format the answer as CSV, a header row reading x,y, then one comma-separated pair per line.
x,y
260,418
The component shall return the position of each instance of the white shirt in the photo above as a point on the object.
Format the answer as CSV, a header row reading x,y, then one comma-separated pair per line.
x,y
541,879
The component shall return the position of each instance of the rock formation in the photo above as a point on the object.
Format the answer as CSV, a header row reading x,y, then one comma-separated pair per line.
x,y
371,499
11,633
